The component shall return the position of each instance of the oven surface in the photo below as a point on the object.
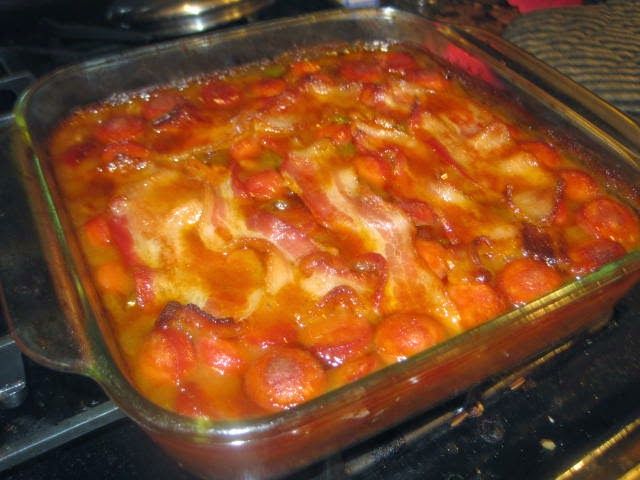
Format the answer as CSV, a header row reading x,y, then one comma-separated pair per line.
x,y
573,413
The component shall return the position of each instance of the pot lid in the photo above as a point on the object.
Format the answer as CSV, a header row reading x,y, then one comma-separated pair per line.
x,y
180,17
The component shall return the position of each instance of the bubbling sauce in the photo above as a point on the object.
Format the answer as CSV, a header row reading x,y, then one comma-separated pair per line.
x,y
261,236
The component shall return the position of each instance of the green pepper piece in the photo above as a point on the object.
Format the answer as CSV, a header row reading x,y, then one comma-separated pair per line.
x,y
274,71
347,149
340,119
270,160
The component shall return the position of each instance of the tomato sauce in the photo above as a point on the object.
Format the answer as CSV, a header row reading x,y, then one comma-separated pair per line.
x,y
263,235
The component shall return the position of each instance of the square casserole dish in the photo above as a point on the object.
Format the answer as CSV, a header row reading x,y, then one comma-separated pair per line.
x,y
67,330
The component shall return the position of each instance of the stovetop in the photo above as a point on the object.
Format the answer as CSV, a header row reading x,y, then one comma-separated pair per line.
x,y
570,414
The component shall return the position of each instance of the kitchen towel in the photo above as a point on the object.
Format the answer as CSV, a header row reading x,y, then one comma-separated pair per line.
x,y
598,46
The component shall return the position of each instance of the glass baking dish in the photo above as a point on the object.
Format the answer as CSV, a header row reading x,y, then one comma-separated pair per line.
x,y
67,331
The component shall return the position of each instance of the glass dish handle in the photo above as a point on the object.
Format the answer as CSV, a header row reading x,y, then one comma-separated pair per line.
x,y
47,339
40,321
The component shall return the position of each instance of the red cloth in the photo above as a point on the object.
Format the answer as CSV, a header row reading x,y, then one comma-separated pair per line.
x,y
531,5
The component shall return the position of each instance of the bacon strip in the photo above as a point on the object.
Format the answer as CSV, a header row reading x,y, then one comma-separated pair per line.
x,y
323,273
291,241
340,203
152,235
143,276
